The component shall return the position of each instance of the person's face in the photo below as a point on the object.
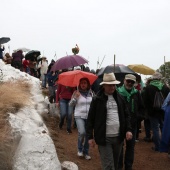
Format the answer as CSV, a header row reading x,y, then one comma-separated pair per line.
x,y
129,84
109,88
83,84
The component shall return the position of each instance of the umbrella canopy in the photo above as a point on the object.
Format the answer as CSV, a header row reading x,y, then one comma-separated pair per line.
x,y
32,55
72,78
68,61
22,49
119,70
4,40
142,69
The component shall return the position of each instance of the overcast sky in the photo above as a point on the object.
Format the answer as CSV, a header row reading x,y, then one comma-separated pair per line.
x,y
136,31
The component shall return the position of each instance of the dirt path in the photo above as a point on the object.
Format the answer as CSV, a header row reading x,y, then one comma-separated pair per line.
x,y
66,146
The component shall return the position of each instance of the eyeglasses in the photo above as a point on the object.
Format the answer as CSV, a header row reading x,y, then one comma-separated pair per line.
x,y
130,81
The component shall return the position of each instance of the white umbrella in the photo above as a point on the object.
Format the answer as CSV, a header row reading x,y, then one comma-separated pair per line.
x,y
23,49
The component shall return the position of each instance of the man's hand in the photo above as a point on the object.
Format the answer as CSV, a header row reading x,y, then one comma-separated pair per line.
x,y
58,105
129,135
92,143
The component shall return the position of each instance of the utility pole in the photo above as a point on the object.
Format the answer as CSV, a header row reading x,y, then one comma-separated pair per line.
x,y
114,63
98,63
102,61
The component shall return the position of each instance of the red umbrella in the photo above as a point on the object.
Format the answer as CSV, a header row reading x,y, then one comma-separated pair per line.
x,y
72,78
68,61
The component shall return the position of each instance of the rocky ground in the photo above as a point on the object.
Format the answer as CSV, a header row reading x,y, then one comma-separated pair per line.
x,y
66,147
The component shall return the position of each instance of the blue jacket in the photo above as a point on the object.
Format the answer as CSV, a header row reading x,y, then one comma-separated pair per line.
x,y
165,140
51,79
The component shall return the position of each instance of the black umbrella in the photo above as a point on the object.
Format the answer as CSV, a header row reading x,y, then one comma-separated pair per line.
x,y
4,40
119,70
32,55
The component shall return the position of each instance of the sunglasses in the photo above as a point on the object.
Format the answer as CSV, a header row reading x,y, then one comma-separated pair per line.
x,y
130,81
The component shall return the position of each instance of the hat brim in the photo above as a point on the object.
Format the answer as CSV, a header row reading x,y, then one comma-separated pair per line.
x,y
111,82
130,79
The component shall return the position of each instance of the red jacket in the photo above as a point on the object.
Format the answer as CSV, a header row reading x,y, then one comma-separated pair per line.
x,y
64,92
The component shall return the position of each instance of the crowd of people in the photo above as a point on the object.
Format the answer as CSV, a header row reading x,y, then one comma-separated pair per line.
x,y
105,113
111,117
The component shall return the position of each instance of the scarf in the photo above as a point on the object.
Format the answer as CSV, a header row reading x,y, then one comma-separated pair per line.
x,y
157,84
122,90
85,93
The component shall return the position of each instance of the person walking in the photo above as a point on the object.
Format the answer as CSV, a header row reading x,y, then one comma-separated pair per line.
x,y
156,116
2,48
63,96
17,58
43,65
165,139
81,99
108,122
51,77
136,107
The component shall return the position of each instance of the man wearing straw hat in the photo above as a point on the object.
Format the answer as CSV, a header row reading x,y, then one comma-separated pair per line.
x,y
109,119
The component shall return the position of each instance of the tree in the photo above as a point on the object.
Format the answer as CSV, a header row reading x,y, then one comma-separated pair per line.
x,y
164,69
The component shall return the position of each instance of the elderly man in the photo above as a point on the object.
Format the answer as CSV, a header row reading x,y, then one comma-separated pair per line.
x,y
136,107
109,119
155,115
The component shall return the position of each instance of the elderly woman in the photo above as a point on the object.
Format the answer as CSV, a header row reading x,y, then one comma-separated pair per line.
x,y
81,99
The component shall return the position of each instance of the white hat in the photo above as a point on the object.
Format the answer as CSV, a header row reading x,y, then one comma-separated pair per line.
x,y
157,76
130,77
109,78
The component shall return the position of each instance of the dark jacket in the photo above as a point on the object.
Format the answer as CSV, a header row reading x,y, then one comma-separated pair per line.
x,y
51,79
148,97
97,117
1,52
139,110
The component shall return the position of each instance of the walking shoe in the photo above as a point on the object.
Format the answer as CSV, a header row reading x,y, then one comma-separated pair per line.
x,y
87,157
60,126
168,155
80,154
147,139
137,140
154,149
69,131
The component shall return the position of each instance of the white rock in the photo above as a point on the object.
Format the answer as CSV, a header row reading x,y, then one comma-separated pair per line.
x,y
67,165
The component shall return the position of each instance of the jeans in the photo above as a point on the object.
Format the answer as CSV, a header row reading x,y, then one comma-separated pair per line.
x,y
129,152
156,125
44,80
52,95
83,145
147,126
110,152
65,111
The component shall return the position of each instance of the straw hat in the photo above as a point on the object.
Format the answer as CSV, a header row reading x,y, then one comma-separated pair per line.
x,y
130,77
109,78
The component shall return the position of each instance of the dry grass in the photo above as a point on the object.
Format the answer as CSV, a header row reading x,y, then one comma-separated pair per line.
x,y
13,96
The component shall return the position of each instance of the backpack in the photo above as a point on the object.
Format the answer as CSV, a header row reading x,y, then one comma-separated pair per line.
x,y
158,100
